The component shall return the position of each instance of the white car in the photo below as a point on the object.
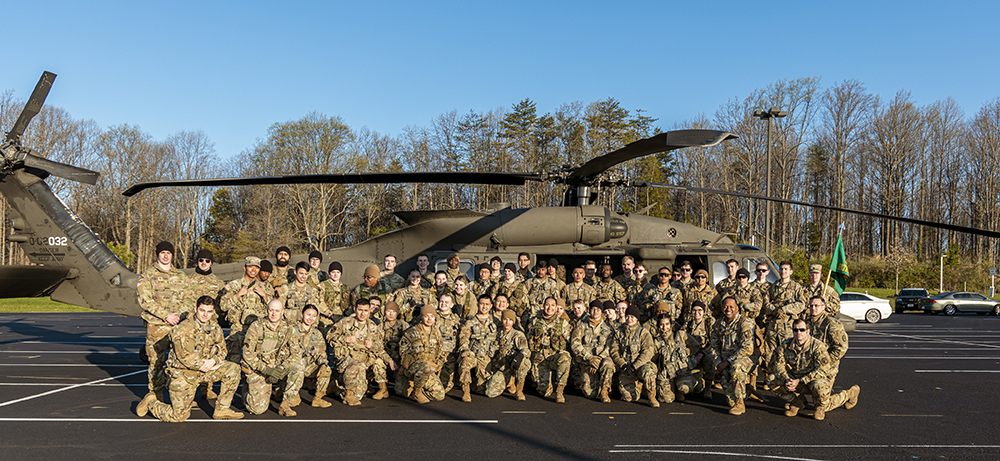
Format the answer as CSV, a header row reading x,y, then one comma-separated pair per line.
x,y
861,306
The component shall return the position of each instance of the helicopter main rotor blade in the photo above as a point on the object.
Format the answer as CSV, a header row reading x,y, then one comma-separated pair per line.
x,y
61,170
951,227
660,143
511,179
33,106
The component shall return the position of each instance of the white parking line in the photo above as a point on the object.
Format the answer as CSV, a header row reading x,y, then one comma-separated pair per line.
x,y
321,421
956,371
79,352
83,343
965,343
74,386
715,453
100,365
926,357
808,446
70,384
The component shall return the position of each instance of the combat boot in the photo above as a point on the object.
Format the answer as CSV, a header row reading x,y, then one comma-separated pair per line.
x,y
738,408
604,395
466,397
285,410
418,395
207,392
794,406
651,393
512,385
820,413
752,389
294,401
226,413
520,391
319,402
852,396
382,392
350,399
143,408
708,394
559,394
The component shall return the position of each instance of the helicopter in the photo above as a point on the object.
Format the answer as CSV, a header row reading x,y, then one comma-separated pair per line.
x,y
72,265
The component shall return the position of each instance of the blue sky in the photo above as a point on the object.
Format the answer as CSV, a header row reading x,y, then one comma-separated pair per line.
x,y
232,69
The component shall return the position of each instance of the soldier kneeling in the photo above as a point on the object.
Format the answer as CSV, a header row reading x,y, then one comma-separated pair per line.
x,y
674,379
420,350
197,355
272,355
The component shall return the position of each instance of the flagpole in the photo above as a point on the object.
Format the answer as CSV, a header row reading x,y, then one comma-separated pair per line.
x,y
829,272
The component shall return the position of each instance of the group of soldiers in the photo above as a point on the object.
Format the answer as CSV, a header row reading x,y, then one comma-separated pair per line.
x,y
433,331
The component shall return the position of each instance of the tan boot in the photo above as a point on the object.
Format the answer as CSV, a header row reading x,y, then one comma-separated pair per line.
x,y
226,413
559,394
738,408
294,401
466,396
418,395
143,408
852,396
350,399
382,392
820,414
207,392
285,410
519,391
794,406
604,395
651,393
319,402
512,385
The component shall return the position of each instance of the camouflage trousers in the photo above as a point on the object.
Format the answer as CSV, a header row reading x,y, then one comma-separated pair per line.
x,y
312,369
497,382
776,333
184,384
591,383
447,372
820,389
668,386
157,345
257,396
426,376
542,371
734,379
354,374
626,381
234,345
707,368
469,362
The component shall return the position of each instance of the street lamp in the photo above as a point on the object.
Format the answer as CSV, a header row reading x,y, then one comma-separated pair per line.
x,y
769,114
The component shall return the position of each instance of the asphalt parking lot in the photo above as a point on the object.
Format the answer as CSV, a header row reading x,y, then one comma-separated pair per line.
x,y
69,384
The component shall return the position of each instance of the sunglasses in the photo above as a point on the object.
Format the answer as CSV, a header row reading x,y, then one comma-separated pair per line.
x,y
799,330
686,270
661,274
742,277
761,270
700,277
203,260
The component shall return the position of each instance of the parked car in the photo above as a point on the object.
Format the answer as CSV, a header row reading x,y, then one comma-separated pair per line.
x,y
960,301
909,298
861,306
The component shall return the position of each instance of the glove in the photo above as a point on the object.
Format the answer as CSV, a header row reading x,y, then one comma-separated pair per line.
x,y
273,374
595,363
629,369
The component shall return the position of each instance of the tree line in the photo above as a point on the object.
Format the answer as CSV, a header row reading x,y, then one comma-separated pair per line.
x,y
840,145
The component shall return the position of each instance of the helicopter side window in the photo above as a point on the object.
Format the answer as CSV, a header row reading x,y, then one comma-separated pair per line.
x,y
719,272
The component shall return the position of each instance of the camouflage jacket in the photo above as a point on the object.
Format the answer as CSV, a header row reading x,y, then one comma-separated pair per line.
x,y
538,290
584,292
466,305
313,345
448,326
546,337
636,293
653,295
517,295
732,340
337,298
453,274
510,344
785,301
394,280
427,279
205,285
699,335
480,287
347,327
830,332
807,363
296,297
390,337
244,310
280,277
672,354
192,343
479,336
421,344
725,285
588,340
625,281
381,289
829,295
410,300
610,291
266,346
317,276
747,298
705,294
162,293
632,345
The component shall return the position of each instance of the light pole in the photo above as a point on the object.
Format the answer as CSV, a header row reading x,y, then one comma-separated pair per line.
x,y
769,114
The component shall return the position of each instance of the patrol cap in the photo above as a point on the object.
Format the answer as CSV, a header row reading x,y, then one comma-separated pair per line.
x,y
265,266
815,268
511,266
205,253
508,315
661,307
252,261
316,254
164,246
633,310
336,266
427,309
391,306
742,273
282,248
371,271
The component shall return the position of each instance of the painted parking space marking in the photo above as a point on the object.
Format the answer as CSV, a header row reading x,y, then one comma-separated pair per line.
x,y
70,387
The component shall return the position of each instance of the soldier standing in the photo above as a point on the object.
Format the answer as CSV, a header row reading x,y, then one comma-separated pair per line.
x,y
548,339
608,289
336,296
732,339
427,276
553,270
591,347
732,266
316,275
523,263
515,291
578,289
244,300
801,366
465,300
627,277
357,348
483,284
197,355
272,352
282,274
496,269
453,271
785,302
264,274
476,347
632,351
700,290
389,275
448,324
163,295
441,286
664,291
412,298
372,286
685,280
315,361
298,293
204,283
540,287
817,288
422,355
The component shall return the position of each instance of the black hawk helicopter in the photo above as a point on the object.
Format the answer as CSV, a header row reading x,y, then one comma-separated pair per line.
x,y
72,264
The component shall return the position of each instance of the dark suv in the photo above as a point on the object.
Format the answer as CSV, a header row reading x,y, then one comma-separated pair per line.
x,y
909,298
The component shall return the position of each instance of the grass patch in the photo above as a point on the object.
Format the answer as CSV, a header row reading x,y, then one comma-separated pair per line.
x,y
17,305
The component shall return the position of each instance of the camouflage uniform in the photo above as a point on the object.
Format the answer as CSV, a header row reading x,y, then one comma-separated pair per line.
x,y
810,364
610,290
205,285
161,293
785,302
733,343
427,279
453,274
587,342
674,370
635,294
704,294
625,281
699,337
353,359
316,276
480,287
548,340
725,285
632,351
747,298
510,361
390,338
394,280
242,311
653,295
281,277
192,343
538,290
265,347
436,293
830,331
410,300
466,304
448,326
422,356
517,296
337,298
295,297
829,295
572,292
362,291
315,361
476,346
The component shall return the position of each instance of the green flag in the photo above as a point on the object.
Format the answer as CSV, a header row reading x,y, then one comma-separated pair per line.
x,y
838,267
